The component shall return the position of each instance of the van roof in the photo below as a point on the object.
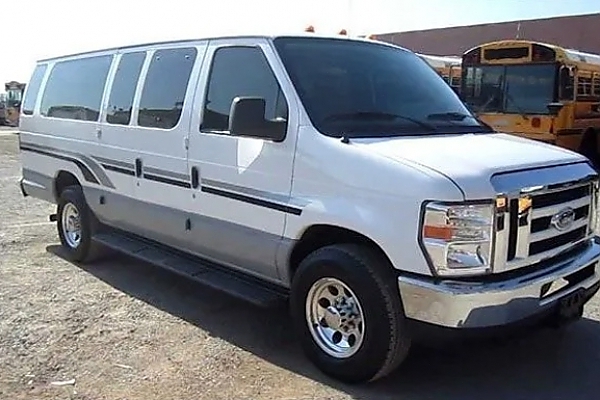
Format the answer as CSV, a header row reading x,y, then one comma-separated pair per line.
x,y
183,41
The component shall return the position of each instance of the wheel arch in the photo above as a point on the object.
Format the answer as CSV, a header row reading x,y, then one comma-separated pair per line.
x,y
320,235
62,180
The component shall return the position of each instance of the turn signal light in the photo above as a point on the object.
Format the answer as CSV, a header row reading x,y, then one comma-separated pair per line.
x,y
438,232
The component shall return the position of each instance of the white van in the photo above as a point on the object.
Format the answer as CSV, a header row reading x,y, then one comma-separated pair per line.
x,y
342,174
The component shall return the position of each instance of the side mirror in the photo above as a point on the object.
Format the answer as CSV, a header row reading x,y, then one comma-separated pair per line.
x,y
554,108
247,118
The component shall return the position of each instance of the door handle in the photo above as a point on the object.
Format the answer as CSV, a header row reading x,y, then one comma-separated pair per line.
x,y
99,133
138,167
195,178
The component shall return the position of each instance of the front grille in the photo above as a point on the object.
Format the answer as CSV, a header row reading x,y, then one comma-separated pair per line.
x,y
542,235
541,222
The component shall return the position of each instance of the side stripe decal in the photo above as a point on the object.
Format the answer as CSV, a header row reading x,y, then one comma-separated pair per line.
x,y
87,174
252,200
98,176
118,169
168,181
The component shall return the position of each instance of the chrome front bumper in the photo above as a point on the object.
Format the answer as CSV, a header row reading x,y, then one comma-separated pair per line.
x,y
456,304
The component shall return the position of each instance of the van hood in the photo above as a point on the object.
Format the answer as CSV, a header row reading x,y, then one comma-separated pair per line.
x,y
470,160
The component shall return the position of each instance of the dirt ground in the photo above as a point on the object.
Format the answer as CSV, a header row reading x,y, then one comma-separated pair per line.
x,y
125,330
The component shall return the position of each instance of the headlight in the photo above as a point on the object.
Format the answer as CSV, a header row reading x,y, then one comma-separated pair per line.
x,y
458,238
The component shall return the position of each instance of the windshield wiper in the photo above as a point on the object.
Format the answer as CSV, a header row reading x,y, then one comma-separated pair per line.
x,y
449,116
376,116
458,116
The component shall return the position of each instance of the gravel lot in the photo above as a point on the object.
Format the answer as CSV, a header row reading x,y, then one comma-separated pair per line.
x,y
125,330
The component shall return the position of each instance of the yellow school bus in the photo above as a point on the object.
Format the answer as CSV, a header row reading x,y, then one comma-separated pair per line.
x,y
448,67
536,90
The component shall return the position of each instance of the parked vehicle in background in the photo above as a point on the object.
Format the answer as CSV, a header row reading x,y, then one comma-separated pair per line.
x,y
2,108
12,108
448,67
536,90
341,174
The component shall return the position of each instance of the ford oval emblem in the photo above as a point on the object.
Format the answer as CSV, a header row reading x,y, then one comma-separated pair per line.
x,y
563,219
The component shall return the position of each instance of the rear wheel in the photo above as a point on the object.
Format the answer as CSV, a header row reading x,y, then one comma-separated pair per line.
x,y
76,224
346,307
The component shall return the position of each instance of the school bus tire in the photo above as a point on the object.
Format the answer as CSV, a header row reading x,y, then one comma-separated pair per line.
x,y
589,147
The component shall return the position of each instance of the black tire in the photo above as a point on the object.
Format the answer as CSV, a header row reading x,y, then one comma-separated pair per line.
x,y
86,250
386,341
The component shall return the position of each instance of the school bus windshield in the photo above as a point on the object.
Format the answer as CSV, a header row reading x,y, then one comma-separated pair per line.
x,y
510,89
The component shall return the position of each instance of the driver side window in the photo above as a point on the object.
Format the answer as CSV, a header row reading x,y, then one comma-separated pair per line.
x,y
240,71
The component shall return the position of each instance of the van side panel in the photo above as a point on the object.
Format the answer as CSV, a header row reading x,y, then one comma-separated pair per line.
x,y
160,130
115,144
242,199
57,133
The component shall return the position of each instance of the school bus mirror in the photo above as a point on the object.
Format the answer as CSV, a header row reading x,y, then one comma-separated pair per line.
x,y
554,108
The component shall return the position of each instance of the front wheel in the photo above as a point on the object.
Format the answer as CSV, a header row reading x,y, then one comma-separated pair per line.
x,y
346,306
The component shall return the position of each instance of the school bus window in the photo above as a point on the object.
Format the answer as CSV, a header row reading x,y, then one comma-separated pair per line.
x,y
483,92
596,85
584,86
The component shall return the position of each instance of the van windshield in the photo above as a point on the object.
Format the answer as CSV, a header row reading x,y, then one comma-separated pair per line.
x,y
363,89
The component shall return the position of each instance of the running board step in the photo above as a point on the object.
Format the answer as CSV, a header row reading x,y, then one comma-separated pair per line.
x,y
239,285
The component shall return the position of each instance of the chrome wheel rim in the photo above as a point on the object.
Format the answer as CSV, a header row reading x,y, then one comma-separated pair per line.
x,y
335,317
71,225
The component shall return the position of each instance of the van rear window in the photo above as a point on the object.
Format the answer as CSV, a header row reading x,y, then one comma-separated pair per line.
x,y
75,88
33,88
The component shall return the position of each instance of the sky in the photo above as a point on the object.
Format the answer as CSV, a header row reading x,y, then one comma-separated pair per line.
x,y
45,28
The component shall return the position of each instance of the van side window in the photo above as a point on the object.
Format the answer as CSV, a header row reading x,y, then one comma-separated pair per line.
x,y
165,87
33,89
123,88
240,71
75,88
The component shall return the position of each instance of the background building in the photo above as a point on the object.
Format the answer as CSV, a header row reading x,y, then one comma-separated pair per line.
x,y
581,32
